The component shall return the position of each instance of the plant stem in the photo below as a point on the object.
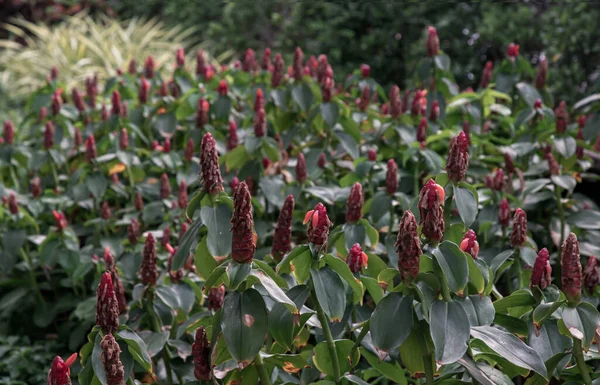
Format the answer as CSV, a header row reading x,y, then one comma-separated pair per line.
x,y
156,326
428,369
583,369
262,371
327,333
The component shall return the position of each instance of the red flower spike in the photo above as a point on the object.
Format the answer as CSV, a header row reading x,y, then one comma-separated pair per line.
x,y
165,186
327,89
133,232
395,101
542,73
149,67
579,150
318,226
249,64
301,173
259,100
235,182
458,158
265,63
433,42
144,91
9,132
372,155
542,271
469,244
298,64
201,354
189,150
36,187
561,117
107,307
260,123
13,206
365,98
132,67
78,100
209,166
111,361
356,258
223,89
116,103
123,139
91,89
509,164
486,76
164,241
182,199
365,70
242,245
434,113
571,269
354,204
498,182
109,262
43,114
202,112
431,201
278,71
60,372
60,221
148,271
180,58
322,161
591,275
422,132
232,138
312,66
513,51
139,202
53,73
105,211
216,295
419,103
408,247
518,237
391,177
553,165
581,121
56,102
322,65
201,67
282,237
103,113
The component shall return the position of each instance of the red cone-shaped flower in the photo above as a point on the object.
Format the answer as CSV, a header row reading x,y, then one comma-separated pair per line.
x,y
165,186
223,89
518,237
579,150
107,307
354,204
504,213
434,114
571,269
395,101
144,91
60,221
139,202
209,165
508,163
116,103
202,112
433,42
419,103
149,67
148,271
111,361
180,58
553,165
265,63
542,73
9,132
164,241
123,139
56,102
365,98
259,100
301,173
431,201
458,158
235,182
90,148
562,117
249,64
13,206
36,187
542,271
182,199
60,372
422,132
298,64
105,211
278,72
109,262
78,100
391,177
189,150
49,135
322,161
591,275
132,64
260,123
216,296
133,231
469,244
282,237
318,226
408,247
327,88
232,138
201,354
486,76
356,259
513,51
200,63
91,88
372,156
242,245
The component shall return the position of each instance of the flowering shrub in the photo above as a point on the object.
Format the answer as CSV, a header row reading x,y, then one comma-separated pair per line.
x,y
262,225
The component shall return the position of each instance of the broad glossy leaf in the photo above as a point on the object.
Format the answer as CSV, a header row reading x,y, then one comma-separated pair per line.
x,y
216,219
303,96
582,321
183,252
391,322
480,310
453,262
205,263
529,93
587,219
449,330
466,203
330,292
275,292
137,347
392,370
548,341
322,358
520,297
414,348
341,267
330,112
237,273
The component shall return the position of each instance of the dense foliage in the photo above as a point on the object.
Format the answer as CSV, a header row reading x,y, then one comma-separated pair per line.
x,y
333,233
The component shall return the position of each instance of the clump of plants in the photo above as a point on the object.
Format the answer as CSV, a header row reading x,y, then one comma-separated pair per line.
x,y
260,223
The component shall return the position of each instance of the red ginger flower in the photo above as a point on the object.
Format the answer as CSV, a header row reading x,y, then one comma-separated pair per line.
x,y
180,58
591,275
103,113
43,114
571,269
60,221
148,271
164,241
223,88
189,150
301,173
579,150
144,91
200,63
431,201
78,100
327,88
105,211
216,296
434,113
365,98
183,230
235,182
107,306
356,258
77,138
249,64
260,123
513,51
542,271
322,64
419,103
166,148
408,247
53,73
469,244
322,161
562,117
395,101
116,103
422,132
164,89
91,88
13,206
202,112
265,63
298,64
9,132
90,148
123,139
542,74
508,163
259,100
365,70
518,237
56,102
111,361
498,181
504,213
467,130
282,237
201,354
242,245
278,72
139,202
131,69
182,199
553,165
149,67
209,165
391,177
60,372
133,231
486,76
354,204
165,186
372,156
458,158
433,42
36,187
318,226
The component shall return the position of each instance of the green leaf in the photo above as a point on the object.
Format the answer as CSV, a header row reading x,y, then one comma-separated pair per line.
x,y
582,322
372,286
168,296
393,310
453,262
587,220
565,181
340,267
391,370
282,323
415,347
216,219
449,331
548,341
520,297
236,158
330,113
348,143
289,257
330,292
442,61
543,311
511,348
303,96
237,273
203,260
466,203
166,123
566,146
480,310
244,324
529,93
183,252
275,292
97,362
290,362
475,275
322,358
97,185
137,348
274,189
